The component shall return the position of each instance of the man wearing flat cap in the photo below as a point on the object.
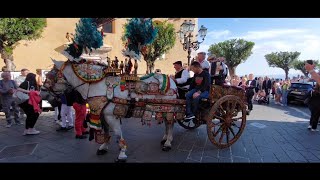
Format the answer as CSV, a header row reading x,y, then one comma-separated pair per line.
x,y
180,78
218,70
205,65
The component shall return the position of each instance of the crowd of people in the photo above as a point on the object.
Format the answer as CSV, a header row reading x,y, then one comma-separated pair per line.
x,y
194,83
30,83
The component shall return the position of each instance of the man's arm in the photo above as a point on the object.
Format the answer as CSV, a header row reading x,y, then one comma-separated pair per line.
x,y
184,77
315,76
192,85
206,83
2,90
15,85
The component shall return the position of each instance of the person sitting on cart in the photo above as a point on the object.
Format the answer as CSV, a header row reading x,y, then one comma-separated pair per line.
x,y
199,89
181,79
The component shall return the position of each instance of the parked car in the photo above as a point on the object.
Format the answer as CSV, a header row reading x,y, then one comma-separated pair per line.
x,y
298,92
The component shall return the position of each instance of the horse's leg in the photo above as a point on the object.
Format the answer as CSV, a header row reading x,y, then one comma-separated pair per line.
x,y
164,138
103,149
114,124
169,127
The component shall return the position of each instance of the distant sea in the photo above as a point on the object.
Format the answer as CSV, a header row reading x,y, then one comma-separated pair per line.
x,y
277,76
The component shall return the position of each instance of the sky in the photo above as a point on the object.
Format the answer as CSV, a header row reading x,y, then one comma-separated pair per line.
x,y
269,35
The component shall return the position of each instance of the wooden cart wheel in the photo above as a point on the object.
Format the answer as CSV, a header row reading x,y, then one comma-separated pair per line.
x,y
188,125
226,121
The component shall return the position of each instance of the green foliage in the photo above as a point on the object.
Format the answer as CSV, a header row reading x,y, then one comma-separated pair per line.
x,y
235,51
163,42
13,30
299,65
283,60
8,50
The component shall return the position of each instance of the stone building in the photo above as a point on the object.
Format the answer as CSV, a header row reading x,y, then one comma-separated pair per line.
x,y
37,54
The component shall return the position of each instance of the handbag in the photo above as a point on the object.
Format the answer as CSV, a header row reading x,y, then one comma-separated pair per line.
x,y
20,97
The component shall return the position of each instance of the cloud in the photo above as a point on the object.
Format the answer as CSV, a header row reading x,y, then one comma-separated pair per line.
x,y
306,41
269,34
203,48
218,34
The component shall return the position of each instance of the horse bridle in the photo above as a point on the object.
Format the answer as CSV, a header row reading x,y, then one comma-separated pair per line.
x,y
53,92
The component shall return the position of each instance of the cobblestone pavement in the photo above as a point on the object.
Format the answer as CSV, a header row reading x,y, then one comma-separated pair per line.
x,y
272,134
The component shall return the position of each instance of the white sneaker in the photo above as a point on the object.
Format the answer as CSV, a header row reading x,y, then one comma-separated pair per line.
x,y
59,122
315,130
8,125
309,127
33,131
25,132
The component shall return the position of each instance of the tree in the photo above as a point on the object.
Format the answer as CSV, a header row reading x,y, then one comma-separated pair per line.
x,y
283,60
163,42
87,34
235,52
13,30
299,65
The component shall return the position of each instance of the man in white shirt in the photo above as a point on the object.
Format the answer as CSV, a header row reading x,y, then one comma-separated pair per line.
x,y
22,77
180,78
205,65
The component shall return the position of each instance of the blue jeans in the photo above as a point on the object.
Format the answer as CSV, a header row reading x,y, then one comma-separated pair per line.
x,y
284,97
194,103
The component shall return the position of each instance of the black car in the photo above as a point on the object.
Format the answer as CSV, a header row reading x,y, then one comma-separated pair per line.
x,y
298,91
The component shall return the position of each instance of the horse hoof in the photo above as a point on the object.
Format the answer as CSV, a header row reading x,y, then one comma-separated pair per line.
x,y
120,160
163,141
166,148
101,152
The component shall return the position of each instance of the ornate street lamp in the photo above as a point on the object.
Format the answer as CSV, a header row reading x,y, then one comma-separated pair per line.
x,y
185,35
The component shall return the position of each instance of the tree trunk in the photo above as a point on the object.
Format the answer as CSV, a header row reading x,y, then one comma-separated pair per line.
x,y
287,72
232,71
8,60
150,67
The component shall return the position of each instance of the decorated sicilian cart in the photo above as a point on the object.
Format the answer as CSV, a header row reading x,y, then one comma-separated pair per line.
x,y
113,93
224,113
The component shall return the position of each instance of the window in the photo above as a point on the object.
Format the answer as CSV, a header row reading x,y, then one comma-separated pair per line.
x,y
301,86
157,22
109,27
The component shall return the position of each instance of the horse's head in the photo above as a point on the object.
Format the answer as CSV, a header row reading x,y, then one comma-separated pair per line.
x,y
51,98
55,80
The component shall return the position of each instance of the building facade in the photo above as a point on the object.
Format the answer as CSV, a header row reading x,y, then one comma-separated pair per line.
x,y
37,54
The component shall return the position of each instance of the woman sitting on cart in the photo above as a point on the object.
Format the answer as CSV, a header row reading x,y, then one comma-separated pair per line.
x,y
199,89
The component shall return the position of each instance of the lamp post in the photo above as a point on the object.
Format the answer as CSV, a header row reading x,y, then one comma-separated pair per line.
x,y
185,34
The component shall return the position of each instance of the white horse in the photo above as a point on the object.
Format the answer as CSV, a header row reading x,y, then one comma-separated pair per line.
x,y
110,87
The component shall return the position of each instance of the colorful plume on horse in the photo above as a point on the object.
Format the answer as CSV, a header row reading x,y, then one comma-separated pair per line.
x,y
138,33
87,36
